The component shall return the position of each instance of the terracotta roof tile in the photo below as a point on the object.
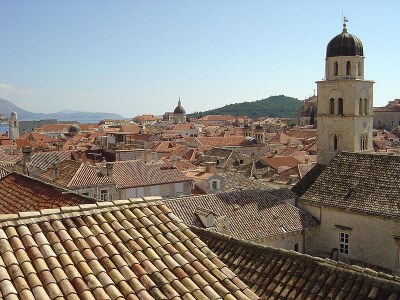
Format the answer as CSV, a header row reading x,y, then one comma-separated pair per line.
x,y
19,193
258,210
365,183
280,274
127,250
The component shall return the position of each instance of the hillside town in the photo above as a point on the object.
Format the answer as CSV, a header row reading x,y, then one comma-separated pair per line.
x,y
215,207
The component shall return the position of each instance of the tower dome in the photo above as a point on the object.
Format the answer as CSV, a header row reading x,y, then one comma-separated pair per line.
x,y
179,109
74,129
344,44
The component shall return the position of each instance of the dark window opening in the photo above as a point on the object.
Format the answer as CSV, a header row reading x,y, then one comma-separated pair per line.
x,y
332,106
336,68
340,106
348,68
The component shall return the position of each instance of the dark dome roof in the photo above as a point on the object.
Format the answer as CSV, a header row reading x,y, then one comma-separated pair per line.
x,y
344,44
179,109
74,129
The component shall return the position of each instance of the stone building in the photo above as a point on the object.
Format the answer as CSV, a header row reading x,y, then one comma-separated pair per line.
x,y
307,114
345,100
356,198
387,117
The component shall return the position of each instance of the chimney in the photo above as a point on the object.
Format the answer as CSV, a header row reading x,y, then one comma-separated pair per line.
x,y
27,157
223,224
56,171
147,156
211,167
103,169
109,168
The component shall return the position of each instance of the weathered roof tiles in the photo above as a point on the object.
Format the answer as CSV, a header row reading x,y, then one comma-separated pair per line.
x,y
127,249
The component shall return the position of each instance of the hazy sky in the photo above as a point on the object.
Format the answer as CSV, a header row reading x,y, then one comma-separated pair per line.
x,y
136,57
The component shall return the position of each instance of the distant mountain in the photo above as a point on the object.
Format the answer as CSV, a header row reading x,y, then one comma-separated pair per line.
x,y
6,107
275,106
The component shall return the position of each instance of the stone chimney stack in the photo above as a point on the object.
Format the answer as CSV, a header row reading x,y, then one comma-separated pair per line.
x,y
147,156
223,224
27,158
56,171
211,167
103,169
110,169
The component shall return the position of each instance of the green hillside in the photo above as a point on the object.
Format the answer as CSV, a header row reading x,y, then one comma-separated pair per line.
x,y
274,106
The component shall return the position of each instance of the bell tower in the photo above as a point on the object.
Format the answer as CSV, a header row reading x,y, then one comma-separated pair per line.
x,y
13,126
345,98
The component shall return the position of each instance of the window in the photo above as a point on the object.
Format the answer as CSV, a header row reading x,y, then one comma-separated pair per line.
x,y
362,143
365,106
103,195
348,68
340,106
335,142
336,69
344,243
332,106
296,247
360,107
214,184
359,69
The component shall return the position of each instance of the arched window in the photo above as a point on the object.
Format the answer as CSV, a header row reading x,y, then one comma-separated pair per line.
x,y
336,68
360,107
348,68
332,106
363,143
340,106
359,69
365,106
335,142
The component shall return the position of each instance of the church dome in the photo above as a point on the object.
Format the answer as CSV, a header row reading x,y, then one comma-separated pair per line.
x,y
73,129
344,44
179,109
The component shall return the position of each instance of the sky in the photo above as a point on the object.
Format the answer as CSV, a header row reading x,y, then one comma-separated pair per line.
x,y
138,57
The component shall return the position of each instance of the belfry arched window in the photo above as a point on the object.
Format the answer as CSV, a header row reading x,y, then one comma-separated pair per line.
x,y
348,68
335,142
359,68
336,68
340,106
360,107
332,106
363,143
365,106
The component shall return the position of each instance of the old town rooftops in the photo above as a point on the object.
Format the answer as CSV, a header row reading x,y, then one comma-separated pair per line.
x,y
126,249
253,214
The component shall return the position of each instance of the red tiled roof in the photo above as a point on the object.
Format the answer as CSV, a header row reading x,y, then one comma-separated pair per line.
x,y
20,193
279,161
130,128
121,250
136,173
222,141
67,169
217,118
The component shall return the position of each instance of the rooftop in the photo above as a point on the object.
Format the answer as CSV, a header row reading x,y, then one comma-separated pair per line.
x,y
126,249
281,274
253,214
365,183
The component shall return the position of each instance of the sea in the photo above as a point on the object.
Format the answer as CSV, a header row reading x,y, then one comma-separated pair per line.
x,y
4,127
